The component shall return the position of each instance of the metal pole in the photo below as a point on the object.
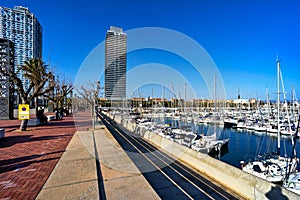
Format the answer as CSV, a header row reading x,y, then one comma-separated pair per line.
x,y
278,107
93,115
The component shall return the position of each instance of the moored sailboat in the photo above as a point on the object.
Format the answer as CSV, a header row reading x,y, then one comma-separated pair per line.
x,y
292,181
209,144
272,167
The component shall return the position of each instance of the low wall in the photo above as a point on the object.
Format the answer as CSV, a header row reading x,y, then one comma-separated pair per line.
x,y
244,184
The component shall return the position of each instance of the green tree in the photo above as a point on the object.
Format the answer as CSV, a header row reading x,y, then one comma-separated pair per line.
x,y
36,73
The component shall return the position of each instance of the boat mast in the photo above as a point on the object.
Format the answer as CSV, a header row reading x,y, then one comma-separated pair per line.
x,y
293,101
215,104
268,102
215,94
184,108
278,106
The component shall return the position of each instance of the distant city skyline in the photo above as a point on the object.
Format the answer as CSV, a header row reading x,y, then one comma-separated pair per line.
x,y
242,37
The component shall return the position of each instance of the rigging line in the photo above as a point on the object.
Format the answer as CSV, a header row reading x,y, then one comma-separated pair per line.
x,y
294,138
269,146
262,120
287,112
293,152
260,147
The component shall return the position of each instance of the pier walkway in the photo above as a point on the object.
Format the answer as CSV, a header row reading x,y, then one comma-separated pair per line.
x,y
94,166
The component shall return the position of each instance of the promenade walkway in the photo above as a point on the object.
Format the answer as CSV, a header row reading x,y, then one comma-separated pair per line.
x,y
27,158
94,166
64,161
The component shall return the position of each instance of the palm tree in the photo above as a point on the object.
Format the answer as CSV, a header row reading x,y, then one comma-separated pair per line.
x,y
35,71
37,76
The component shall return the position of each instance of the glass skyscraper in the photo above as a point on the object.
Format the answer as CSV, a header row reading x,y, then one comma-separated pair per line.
x,y
115,64
24,30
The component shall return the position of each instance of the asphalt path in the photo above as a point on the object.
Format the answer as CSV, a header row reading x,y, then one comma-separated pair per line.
x,y
170,178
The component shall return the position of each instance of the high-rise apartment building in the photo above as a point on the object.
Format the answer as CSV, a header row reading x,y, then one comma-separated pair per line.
x,y
24,30
115,64
6,85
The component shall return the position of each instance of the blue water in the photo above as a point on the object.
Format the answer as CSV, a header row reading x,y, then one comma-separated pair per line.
x,y
246,145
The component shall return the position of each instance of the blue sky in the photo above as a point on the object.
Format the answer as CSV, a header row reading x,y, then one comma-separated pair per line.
x,y
242,37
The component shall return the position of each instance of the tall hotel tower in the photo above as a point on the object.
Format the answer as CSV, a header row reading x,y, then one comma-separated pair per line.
x,y
24,30
115,64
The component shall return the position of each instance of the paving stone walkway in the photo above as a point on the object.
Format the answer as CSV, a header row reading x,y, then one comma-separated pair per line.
x,y
27,158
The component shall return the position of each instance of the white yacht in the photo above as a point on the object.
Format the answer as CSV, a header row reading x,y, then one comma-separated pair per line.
x,y
209,144
241,125
230,122
260,127
180,133
272,169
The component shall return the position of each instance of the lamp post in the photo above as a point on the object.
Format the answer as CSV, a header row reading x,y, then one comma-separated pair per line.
x,y
97,98
97,93
64,87
71,100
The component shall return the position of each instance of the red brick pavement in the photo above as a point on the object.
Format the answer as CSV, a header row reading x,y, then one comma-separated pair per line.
x,y
27,158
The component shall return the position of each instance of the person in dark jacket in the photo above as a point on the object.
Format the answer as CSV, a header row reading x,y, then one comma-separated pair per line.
x,y
41,116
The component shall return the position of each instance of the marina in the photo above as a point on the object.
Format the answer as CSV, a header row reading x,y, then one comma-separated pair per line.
x,y
270,155
244,144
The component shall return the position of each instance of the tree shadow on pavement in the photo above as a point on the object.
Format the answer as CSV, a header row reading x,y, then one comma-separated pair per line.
x,y
12,140
19,163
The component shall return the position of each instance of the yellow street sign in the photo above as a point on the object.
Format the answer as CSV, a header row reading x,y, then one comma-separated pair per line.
x,y
24,111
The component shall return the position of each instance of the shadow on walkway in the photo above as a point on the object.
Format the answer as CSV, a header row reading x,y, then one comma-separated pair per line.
x,y
19,164
12,140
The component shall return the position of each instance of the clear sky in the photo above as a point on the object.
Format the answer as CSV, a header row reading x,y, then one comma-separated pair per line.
x,y
242,37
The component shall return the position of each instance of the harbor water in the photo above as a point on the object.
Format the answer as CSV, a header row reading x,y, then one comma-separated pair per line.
x,y
244,145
